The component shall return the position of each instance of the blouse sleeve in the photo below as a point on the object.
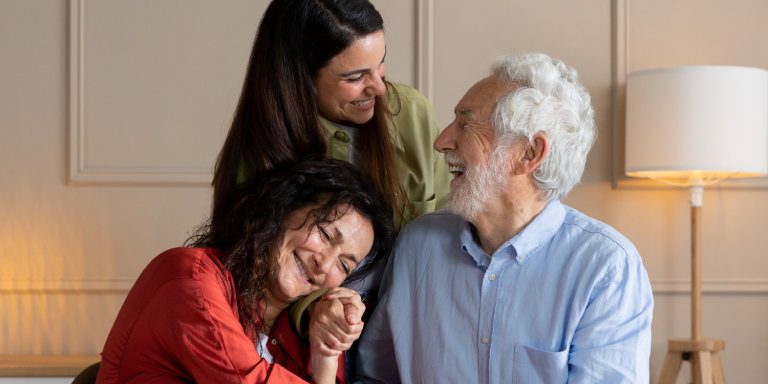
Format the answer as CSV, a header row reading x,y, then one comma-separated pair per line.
x,y
198,325
424,172
442,176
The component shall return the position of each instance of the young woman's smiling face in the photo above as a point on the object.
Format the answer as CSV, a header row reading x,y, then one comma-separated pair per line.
x,y
321,257
348,85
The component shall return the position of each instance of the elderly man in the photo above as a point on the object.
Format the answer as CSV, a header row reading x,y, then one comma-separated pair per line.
x,y
513,286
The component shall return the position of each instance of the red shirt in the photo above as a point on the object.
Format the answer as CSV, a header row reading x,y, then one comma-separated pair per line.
x,y
180,324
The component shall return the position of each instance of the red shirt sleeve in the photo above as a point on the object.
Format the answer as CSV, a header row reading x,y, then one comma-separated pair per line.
x,y
180,322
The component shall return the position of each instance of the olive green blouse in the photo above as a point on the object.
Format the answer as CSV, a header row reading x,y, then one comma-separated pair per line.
x,y
423,172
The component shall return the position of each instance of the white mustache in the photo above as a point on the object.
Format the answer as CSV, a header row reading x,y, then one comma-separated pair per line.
x,y
454,158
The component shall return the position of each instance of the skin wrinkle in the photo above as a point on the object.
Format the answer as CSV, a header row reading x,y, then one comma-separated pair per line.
x,y
498,175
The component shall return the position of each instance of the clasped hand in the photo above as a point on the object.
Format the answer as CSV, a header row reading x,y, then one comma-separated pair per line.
x,y
335,322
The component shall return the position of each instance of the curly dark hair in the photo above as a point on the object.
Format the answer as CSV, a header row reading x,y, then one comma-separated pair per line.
x,y
252,230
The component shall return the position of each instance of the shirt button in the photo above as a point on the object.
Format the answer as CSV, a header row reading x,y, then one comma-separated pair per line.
x,y
522,257
485,340
492,277
274,341
342,136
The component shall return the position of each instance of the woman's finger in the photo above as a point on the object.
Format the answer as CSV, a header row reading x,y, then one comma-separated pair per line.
x,y
337,330
332,339
329,324
353,305
318,346
353,312
332,312
339,293
353,309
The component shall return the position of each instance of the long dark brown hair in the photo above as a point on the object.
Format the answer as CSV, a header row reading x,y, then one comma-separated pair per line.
x,y
276,121
251,231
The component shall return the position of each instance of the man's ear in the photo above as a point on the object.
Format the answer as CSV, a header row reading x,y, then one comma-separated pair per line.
x,y
534,153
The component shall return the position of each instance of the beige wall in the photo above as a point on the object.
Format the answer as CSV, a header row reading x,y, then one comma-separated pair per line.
x,y
158,84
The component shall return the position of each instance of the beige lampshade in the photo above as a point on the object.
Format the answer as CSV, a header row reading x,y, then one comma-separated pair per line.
x,y
712,119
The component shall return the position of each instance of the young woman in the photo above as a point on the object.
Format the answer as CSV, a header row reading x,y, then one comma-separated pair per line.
x,y
215,312
315,84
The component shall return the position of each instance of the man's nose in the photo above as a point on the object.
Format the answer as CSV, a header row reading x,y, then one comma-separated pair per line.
x,y
446,141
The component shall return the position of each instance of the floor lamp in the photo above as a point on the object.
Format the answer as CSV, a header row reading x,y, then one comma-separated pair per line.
x,y
693,127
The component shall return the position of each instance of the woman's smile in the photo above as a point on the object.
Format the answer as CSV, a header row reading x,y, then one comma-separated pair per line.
x,y
348,85
302,270
364,105
322,255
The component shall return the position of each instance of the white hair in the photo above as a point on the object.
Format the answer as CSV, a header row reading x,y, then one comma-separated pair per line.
x,y
549,100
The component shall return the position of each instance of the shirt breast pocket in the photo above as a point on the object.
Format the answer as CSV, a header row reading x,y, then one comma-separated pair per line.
x,y
423,207
420,208
533,366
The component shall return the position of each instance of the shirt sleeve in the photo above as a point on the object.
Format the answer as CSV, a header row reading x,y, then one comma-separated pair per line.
x,y
376,359
199,327
612,340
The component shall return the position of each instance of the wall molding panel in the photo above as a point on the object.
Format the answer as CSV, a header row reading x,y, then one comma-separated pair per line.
x,y
425,47
79,171
718,286
88,285
121,285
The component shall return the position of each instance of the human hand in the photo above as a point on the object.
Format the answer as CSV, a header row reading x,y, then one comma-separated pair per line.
x,y
335,322
353,305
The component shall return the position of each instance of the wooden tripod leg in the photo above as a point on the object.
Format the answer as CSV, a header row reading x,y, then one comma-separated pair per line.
x,y
706,366
718,375
671,367
702,367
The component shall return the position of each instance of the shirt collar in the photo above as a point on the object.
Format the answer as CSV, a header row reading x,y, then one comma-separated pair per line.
x,y
329,129
469,245
524,244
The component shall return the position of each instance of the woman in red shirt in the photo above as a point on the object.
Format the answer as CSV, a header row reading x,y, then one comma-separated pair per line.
x,y
215,312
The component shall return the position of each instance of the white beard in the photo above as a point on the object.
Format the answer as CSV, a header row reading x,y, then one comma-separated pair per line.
x,y
481,183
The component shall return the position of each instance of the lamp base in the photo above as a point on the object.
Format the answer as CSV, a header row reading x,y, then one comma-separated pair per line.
x,y
704,356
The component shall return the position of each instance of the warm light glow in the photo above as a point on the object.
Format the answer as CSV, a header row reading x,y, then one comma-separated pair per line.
x,y
686,174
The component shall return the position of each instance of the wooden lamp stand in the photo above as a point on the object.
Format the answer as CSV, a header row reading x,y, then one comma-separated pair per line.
x,y
685,123
704,354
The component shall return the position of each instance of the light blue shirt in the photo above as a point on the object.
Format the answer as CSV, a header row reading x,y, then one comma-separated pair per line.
x,y
567,300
